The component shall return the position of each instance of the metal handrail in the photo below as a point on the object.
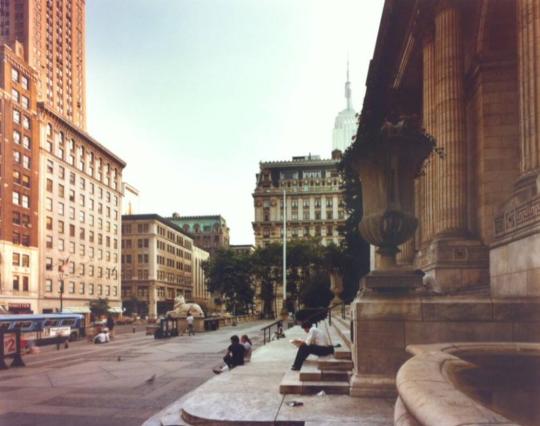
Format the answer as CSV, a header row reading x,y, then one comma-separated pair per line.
x,y
269,328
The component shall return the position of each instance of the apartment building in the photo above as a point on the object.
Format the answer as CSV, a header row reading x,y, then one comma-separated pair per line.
x,y
200,295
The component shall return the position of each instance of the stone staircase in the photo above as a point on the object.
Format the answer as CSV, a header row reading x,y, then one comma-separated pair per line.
x,y
330,374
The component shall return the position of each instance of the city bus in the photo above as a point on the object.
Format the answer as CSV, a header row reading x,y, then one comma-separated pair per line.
x,y
44,328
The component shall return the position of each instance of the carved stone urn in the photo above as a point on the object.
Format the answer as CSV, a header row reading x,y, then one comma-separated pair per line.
x,y
336,286
387,163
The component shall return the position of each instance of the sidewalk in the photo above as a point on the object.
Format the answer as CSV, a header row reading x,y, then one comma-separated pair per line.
x,y
250,395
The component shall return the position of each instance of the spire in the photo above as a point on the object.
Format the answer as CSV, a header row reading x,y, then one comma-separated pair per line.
x,y
348,88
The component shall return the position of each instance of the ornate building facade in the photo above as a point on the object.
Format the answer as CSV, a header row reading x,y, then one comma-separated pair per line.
x,y
346,122
210,232
314,200
470,71
157,263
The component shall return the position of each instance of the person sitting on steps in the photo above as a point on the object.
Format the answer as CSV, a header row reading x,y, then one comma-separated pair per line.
x,y
234,356
316,343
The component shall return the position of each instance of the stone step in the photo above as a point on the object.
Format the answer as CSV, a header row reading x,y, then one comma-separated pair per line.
x,y
291,384
334,364
311,373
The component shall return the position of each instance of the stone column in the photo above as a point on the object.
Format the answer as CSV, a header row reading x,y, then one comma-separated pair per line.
x,y
517,223
428,181
451,210
528,25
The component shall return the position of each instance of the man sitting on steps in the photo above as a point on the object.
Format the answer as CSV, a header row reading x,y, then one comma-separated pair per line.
x,y
316,343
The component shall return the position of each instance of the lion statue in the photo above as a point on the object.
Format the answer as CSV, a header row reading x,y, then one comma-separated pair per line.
x,y
181,309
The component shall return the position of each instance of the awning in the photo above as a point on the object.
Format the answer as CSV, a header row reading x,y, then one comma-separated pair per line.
x,y
115,310
77,310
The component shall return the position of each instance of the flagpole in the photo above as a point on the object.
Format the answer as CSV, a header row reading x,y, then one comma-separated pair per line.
x,y
284,251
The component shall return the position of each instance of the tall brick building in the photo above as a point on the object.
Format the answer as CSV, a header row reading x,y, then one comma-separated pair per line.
x,y
53,35
62,190
19,194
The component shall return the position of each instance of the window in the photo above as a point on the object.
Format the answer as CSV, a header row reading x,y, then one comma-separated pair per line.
x,y
15,282
16,116
26,142
24,82
25,283
26,122
25,260
48,286
81,288
90,288
49,187
71,287
16,259
71,230
16,137
50,166
14,75
25,102
49,241
81,217
16,197
71,195
61,245
48,264
61,208
100,289
72,213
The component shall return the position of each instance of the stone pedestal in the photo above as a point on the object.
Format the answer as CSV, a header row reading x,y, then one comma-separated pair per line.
x,y
451,264
385,324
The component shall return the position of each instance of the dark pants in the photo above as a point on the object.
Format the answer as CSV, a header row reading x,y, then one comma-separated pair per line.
x,y
305,350
228,359
191,330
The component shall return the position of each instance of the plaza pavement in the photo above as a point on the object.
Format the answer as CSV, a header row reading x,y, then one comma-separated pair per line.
x,y
121,383
250,395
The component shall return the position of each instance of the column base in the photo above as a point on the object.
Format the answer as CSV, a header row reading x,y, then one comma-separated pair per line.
x,y
373,386
454,263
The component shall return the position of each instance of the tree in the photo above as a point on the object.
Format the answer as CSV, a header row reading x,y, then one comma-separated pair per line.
x,y
266,269
228,274
99,307
355,250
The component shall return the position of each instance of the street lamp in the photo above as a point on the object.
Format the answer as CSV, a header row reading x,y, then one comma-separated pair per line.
x,y
284,310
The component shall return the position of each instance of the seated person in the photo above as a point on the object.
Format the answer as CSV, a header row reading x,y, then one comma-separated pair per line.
x,y
102,337
234,356
246,342
316,343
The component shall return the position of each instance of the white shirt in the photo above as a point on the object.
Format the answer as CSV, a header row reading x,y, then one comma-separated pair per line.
x,y
316,337
102,338
190,320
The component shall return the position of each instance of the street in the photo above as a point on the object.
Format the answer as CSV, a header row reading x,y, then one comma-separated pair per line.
x,y
120,383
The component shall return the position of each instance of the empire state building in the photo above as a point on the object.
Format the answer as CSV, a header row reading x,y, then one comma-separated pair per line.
x,y
346,123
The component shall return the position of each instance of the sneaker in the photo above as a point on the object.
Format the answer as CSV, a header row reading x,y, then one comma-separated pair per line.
x,y
295,369
217,370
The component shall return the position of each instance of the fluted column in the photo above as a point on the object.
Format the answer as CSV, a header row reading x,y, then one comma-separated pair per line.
x,y
451,173
428,182
528,23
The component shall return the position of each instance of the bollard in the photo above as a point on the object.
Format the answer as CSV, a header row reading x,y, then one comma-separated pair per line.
x,y
3,365
17,358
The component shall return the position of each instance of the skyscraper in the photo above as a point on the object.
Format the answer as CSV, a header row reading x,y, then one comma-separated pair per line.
x,y
52,33
345,126
61,195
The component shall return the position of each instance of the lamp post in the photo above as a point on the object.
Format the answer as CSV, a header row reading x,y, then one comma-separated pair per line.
x,y
61,291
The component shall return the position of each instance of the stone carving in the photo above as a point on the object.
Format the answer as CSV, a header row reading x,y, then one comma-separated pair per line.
x,y
387,162
181,309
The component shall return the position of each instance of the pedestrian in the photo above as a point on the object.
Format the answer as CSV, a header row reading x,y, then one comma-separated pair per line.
x,y
316,343
234,356
110,325
191,329
246,342
102,336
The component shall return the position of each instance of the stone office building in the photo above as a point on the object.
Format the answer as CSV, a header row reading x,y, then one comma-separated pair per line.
x,y
157,263
80,214
470,70
314,200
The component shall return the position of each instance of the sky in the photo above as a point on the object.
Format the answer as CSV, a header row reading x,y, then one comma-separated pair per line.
x,y
193,94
